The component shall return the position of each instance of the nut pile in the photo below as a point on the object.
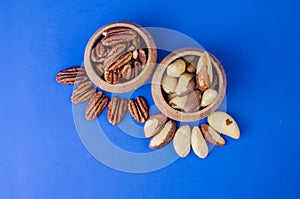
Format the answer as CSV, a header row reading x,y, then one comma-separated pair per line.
x,y
163,131
190,83
119,55
97,101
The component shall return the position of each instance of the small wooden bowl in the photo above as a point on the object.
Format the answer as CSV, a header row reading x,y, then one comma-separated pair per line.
x,y
133,83
160,101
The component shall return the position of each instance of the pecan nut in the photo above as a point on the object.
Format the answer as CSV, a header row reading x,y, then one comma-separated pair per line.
x,y
114,54
83,92
120,37
112,77
142,56
96,105
120,62
137,69
116,110
139,109
99,68
98,52
131,48
126,72
72,75
114,31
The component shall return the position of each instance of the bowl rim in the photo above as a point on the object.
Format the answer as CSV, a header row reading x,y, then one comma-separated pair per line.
x,y
161,103
133,83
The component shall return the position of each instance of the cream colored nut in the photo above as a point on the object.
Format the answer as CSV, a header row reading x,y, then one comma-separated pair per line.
x,y
182,141
164,136
176,68
199,145
154,124
188,103
212,136
135,54
208,97
169,84
171,96
204,72
186,84
224,124
178,102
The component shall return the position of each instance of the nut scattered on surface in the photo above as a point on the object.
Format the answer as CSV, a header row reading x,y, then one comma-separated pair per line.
x,y
139,109
72,75
116,110
164,136
212,136
208,97
96,105
83,92
154,124
224,124
199,145
182,141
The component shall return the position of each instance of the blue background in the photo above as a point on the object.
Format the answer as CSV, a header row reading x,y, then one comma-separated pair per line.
x,y
41,153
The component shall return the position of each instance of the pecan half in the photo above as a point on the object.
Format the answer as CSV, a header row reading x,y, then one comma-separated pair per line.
x,y
96,105
117,38
98,53
138,43
142,56
83,92
72,75
113,31
114,54
120,62
112,77
139,109
137,69
131,48
99,68
116,110
126,72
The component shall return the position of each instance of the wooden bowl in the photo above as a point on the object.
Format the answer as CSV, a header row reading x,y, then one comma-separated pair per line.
x,y
178,115
133,83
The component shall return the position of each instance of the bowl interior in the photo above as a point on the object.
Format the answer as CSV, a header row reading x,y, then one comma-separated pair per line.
x,y
134,83
159,98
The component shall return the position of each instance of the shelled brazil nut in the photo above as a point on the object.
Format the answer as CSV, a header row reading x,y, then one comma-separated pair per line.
x,y
188,84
